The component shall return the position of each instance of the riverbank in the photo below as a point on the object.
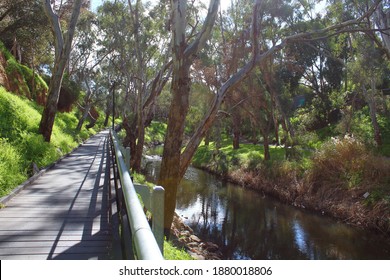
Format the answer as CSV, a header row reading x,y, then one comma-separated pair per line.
x,y
342,180
183,236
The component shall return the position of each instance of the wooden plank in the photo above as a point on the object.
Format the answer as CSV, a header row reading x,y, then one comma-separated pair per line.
x,y
54,220
57,250
23,257
56,201
64,213
61,243
56,213
63,256
66,227
48,208
39,238
47,232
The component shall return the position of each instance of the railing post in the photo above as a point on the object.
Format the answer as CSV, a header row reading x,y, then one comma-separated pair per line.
x,y
127,157
158,216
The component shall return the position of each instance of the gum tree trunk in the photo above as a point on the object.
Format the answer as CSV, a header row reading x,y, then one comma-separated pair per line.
x,y
63,45
183,56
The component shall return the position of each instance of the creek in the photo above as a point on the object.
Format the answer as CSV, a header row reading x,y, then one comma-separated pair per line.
x,y
248,225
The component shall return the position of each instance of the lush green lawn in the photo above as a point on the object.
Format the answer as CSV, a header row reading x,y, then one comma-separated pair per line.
x,y
248,156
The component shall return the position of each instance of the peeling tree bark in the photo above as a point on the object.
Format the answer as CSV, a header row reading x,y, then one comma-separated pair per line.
x,y
63,44
183,57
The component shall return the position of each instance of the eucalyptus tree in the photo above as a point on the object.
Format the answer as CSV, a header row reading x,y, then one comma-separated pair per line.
x,y
368,56
235,25
184,53
84,65
367,72
382,21
63,46
176,159
135,37
23,28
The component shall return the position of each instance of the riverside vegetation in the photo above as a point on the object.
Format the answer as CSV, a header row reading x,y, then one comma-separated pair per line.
x,y
345,177
341,178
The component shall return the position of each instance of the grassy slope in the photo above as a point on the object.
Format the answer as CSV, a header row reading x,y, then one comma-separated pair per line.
x,y
21,145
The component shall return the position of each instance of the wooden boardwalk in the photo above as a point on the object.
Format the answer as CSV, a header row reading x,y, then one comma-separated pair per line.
x,y
65,213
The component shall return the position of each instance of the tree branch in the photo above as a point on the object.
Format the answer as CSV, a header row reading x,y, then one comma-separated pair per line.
x,y
55,25
207,27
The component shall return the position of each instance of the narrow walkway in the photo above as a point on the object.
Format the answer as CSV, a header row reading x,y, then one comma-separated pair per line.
x,y
64,214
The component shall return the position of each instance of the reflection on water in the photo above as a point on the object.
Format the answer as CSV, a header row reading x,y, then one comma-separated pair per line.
x,y
247,225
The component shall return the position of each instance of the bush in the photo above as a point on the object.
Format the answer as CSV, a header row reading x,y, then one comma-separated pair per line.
x,y
252,160
362,128
347,163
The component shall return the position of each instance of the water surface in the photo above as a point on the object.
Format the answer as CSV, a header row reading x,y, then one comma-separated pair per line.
x,y
248,225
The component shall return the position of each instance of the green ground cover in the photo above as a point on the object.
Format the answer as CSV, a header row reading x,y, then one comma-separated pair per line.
x,y
22,145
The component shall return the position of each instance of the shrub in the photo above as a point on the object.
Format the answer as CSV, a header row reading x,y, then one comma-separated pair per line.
x,y
347,163
253,160
360,126
339,163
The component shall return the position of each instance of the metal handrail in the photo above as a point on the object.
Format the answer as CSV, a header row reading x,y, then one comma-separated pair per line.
x,y
146,247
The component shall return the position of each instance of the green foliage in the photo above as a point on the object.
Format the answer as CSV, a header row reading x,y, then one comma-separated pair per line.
x,y
40,84
248,156
155,133
173,253
384,124
29,84
34,149
5,52
376,195
200,99
17,115
14,71
10,167
140,179
21,145
361,126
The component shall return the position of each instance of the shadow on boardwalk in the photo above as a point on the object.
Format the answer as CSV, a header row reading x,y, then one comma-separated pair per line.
x,y
65,213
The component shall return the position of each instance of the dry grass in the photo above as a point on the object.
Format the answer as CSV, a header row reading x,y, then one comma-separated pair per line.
x,y
340,176
339,164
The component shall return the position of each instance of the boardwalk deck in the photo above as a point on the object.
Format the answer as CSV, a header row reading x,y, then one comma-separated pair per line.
x,y
64,214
